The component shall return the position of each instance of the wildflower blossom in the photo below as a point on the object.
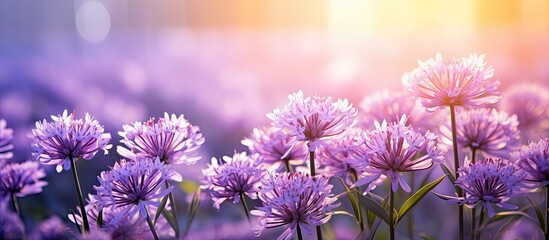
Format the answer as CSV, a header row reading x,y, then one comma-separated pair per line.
x,y
133,186
392,149
295,199
51,228
314,119
6,135
239,174
389,106
534,160
491,131
490,181
172,139
21,179
274,148
11,226
335,159
530,102
54,143
464,82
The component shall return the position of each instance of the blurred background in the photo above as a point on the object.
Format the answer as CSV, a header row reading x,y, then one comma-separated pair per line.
x,y
225,64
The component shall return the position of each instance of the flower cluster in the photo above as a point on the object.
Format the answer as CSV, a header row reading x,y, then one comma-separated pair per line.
x,y
233,177
314,119
274,148
391,149
21,179
55,143
295,199
335,159
133,186
534,160
172,139
462,82
490,181
6,135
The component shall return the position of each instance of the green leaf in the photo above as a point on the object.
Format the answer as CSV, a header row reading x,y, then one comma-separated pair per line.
x,y
160,208
100,219
539,213
373,206
414,199
328,231
373,230
445,197
448,172
192,210
502,215
169,218
352,199
341,213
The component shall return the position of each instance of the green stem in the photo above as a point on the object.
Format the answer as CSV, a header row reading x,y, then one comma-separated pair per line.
x,y
173,210
287,164
480,220
151,225
313,173
85,224
456,167
547,212
391,221
359,217
15,203
410,224
299,235
245,206
474,210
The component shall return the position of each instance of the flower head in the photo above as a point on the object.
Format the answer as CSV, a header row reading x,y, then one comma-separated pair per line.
x,y
53,143
275,148
462,82
490,181
393,148
294,199
530,102
534,160
491,131
314,119
6,135
233,176
172,139
134,185
21,179
335,158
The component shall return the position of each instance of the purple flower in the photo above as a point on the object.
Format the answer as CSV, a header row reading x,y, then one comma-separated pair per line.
x,y
172,139
534,160
389,150
51,228
21,179
53,143
490,181
294,199
134,185
11,226
232,177
6,135
530,102
275,148
490,131
454,82
335,158
389,106
314,119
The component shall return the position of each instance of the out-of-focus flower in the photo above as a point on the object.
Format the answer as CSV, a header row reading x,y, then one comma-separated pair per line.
x,y
239,174
491,131
534,160
51,228
53,143
392,149
464,82
21,179
314,119
133,186
530,102
389,106
274,147
96,234
11,226
490,181
172,139
6,135
294,199
335,158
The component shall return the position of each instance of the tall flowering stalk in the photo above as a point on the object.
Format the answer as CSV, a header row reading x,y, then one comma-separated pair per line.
x,y
66,139
19,180
233,178
6,135
172,139
534,160
393,149
456,82
295,199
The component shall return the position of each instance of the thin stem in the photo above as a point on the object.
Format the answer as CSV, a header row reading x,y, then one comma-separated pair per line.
x,y
391,221
474,210
313,173
410,217
173,210
359,217
245,206
15,203
456,167
287,164
299,235
480,220
151,225
547,212
86,226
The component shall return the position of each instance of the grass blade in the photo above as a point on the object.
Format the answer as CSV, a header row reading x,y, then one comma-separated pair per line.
x,y
374,207
414,199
